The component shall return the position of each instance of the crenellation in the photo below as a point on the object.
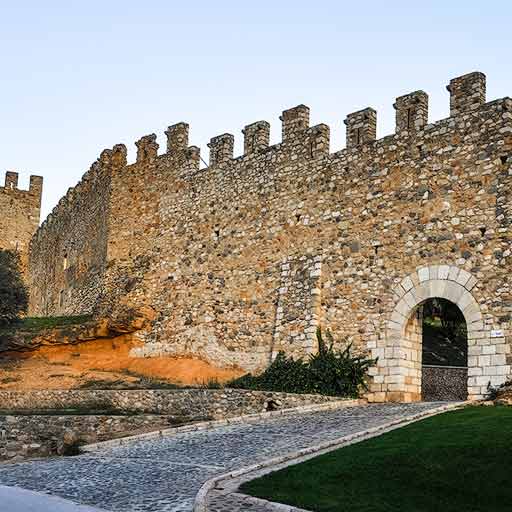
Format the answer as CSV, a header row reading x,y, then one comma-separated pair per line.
x,y
467,93
36,186
361,127
177,137
319,140
147,148
295,121
411,112
221,149
19,214
256,137
119,156
105,157
11,180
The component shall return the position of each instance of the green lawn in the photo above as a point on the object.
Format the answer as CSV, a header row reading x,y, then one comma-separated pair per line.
x,y
459,461
36,324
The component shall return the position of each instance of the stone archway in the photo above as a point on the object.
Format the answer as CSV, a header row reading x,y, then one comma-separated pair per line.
x,y
444,347
397,376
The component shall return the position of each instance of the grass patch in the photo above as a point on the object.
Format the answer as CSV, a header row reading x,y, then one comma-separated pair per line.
x,y
50,322
9,379
36,324
79,411
457,461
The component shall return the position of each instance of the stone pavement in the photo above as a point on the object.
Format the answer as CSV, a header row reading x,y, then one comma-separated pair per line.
x,y
13,499
165,474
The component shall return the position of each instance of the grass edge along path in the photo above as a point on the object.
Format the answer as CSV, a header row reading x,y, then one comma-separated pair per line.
x,y
459,460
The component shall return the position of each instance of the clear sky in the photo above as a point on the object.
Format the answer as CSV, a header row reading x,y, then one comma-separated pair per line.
x,y
81,76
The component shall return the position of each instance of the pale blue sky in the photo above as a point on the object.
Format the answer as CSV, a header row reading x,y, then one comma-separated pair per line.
x,y
77,77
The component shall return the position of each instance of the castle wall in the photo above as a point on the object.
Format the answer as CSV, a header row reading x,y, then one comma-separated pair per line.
x,y
68,252
19,214
248,256
253,253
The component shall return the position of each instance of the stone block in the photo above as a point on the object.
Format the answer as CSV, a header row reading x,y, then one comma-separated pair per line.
x,y
403,309
407,283
470,284
423,274
437,288
489,350
498,359
453,273
466,300
463,277
443,271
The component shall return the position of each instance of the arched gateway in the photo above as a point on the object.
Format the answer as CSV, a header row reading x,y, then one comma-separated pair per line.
x,y
398,374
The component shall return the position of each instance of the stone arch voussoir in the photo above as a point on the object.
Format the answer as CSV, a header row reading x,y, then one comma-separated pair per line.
x,y
397,376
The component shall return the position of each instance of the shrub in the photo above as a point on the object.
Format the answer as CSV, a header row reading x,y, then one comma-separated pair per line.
x,y
328,372
211,383
493,392
13,293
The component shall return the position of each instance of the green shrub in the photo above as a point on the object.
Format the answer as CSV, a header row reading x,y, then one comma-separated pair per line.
x,y
328,372
210,383
493,392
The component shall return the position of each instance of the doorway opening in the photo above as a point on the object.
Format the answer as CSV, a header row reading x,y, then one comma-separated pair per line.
x,y
444,370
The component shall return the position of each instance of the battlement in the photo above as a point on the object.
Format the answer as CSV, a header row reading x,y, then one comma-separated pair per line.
x,y
19,214
108,160
11,184
177,137
467,95
361,127
256,137
294,121
411,112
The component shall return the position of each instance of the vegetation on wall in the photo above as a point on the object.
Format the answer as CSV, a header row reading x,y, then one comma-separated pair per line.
x,y
13,293
329,372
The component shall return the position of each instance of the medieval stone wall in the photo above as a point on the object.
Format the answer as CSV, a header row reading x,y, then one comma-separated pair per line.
x,y
68,252
246,257
184,405
19,214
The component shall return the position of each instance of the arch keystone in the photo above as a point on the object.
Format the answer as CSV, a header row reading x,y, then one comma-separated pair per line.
x,y
443,271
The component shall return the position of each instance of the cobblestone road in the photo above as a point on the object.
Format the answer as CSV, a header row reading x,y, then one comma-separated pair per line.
x,y
163,475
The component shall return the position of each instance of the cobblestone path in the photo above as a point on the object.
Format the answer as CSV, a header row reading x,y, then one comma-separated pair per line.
x,y
165,474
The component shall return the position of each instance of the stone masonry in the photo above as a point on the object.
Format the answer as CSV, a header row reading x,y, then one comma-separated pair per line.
x,y
19,214
247,256
33,423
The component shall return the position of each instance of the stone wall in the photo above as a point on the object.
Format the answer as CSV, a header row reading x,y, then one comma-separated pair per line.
x,y
68,252
183,404
42,423
209,249
444,383
25,436
19,214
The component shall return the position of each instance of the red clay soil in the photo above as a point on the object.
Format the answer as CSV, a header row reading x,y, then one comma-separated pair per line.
x,y
107,360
